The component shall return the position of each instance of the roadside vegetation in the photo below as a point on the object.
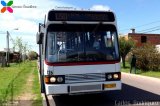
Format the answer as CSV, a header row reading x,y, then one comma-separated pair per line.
x,y
125,47
36,90
149,73
147,56
13,82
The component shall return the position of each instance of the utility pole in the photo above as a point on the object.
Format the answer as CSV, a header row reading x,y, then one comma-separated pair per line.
x,y
7,51
7,48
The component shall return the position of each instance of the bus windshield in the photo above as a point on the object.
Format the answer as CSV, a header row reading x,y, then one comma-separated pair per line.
x,y
81,43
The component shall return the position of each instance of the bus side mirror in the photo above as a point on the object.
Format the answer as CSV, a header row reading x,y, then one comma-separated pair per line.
x,y
39,37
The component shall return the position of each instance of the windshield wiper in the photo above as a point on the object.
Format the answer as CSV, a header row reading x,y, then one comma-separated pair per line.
x,y
100,23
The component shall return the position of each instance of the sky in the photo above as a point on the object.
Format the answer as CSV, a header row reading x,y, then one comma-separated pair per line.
x,y
143,15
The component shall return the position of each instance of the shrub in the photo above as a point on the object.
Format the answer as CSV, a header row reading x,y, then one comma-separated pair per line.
x,y
148,58
32,55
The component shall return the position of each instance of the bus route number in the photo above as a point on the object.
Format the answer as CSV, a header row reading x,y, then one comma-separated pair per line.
x,y
49,72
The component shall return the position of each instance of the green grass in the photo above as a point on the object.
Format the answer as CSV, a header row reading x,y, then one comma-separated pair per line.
x,y
36,90
151,74
14,78
155,74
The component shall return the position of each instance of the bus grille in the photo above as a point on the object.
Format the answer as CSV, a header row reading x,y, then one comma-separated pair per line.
x,y
83,78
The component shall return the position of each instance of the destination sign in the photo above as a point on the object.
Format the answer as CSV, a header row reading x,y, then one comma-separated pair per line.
x,y
80,16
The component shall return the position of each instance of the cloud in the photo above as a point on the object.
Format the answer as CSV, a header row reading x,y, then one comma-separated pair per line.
x,y
100,7
23,25
27,19
38,13
26,26
6,21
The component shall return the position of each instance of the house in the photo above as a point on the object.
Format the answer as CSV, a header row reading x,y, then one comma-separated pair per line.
x,y
13,57
2,58
141,38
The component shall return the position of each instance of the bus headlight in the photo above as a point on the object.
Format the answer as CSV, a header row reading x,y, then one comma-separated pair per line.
x,y
59,79
52,79
115,76
109,76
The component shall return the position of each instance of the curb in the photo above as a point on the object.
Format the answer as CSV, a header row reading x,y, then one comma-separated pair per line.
x,y
142,76
43,99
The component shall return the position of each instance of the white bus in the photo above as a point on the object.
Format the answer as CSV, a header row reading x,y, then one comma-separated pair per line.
x,y
78,52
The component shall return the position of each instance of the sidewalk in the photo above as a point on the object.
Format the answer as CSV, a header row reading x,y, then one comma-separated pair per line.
x,y
143,82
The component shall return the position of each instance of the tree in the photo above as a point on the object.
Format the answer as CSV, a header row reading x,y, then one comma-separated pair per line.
x,y
125,47
32,55
25,49
20,46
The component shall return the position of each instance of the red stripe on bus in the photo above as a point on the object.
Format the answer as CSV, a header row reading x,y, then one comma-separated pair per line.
x,y
80,63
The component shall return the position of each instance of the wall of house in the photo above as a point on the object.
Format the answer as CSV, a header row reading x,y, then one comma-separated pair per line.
x,y
150,38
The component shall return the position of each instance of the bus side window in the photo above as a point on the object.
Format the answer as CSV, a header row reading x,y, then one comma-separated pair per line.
x,y
52,55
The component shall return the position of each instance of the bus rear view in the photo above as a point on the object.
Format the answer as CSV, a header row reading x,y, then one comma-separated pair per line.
x,y
79,52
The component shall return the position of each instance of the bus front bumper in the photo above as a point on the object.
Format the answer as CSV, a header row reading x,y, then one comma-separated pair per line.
x,y
57,89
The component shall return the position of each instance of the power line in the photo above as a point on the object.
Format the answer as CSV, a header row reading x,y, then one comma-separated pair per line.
x,y
152,30
2,32
149,29
141,25
147,24
9,35
11,39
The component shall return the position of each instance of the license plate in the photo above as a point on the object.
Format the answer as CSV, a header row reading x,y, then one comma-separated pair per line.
x,y
110,85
